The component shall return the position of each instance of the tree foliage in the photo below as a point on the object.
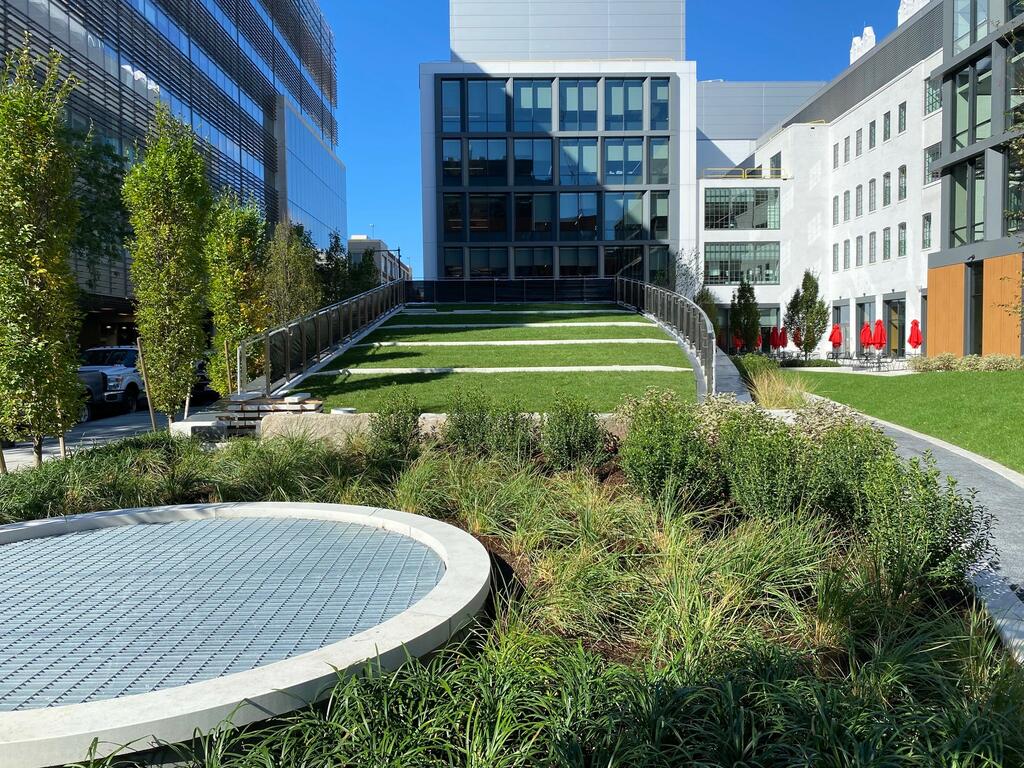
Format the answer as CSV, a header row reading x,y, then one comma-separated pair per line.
x,y
340,276
807,313
169,202
745,314
293,286
236,256
705,299
39,318
103,221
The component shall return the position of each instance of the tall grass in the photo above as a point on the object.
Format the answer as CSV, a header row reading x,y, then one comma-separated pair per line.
x,y
770,389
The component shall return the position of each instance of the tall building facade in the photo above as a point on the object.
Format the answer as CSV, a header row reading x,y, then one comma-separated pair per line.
x,y
255,79
554,148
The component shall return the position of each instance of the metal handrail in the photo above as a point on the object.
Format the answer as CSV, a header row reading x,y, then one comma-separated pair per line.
x,y
770,174
680,314
310,339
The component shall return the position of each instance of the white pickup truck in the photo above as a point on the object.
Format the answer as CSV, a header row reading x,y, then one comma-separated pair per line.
x,y
123,381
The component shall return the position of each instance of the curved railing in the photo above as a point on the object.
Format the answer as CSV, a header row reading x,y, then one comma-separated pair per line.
x,y
681,315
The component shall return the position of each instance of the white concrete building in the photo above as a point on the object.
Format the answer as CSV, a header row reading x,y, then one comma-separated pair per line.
x,y
389,261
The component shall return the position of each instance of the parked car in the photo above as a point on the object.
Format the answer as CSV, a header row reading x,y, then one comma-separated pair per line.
x,y
123,381
95,383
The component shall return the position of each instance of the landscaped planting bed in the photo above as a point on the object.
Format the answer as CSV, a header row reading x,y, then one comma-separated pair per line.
x,y
717,589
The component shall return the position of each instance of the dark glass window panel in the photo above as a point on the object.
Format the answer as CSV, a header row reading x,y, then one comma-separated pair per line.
x,y
624,105
533,162
488,218
623,161
534,262
629,258
577,105
578,163
659,215
534,217
488,162
577,216
623,216
486,106
577,262
660,104
488,263
532,105
659,161
451,106
451,163
453,264
454,214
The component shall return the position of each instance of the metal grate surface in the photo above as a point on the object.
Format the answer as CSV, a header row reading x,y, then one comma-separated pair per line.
x,y
130,609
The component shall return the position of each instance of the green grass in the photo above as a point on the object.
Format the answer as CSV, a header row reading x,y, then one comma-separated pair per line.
x,y
536,306
496,317
536,391
570,331
979,411
512,357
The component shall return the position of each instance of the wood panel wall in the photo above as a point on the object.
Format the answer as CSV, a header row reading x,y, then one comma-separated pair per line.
x,y
946,307
1001,326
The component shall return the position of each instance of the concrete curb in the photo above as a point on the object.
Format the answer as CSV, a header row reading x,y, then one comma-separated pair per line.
x,y
62,734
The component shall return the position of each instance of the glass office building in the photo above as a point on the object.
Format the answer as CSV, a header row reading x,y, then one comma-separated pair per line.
x,y
255,79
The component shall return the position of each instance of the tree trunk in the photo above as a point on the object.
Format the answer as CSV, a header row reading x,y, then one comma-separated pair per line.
x,y
37,449
3,462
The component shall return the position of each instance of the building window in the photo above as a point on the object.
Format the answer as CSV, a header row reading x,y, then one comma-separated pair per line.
x,y
453,265
728,263
577,262
486,100
451,163
775,166
451,106
859,142
846,254
532,162
617,259
623,161
659,215
968,219
901,239
872,195
1014,9
659,271
932,95
887,126
835,257
931,160
859,200
658,162
901,118
488,218
577,216
488,262
624,216
846,205
531,105
454,208
745,208
970,23
901,183
886,244
534,217
972,103
835,211
1014,218
1015,83
872,135
624,105
488,163
577,105
886,189
535,262
860,251
577,165
835,155
659,104
846,149
926,231
872,247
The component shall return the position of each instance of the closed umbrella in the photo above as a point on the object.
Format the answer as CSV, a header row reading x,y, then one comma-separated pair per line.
x,y
760,341
836,337
916,339
865,335
783,338
773,339
879,336
737,342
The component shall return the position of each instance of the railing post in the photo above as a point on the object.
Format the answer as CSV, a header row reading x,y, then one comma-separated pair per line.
x,y
268,364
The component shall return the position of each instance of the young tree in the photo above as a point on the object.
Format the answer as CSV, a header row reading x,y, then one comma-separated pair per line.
x,y
236,256
39,317
365,275
292,286
705,299
169,202
103,220
332,270
745,314
807,314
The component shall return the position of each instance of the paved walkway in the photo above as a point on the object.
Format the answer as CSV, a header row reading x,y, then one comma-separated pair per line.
x,y
515,343
538,369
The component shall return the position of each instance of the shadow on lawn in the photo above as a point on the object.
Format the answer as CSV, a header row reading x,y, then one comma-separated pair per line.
x,y
347,384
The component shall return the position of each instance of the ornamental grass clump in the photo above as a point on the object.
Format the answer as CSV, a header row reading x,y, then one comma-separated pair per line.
x,y
770,389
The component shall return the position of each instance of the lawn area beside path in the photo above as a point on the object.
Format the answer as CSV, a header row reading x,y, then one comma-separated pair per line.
x,y
453,318
528,307
522,333
536,392
979,411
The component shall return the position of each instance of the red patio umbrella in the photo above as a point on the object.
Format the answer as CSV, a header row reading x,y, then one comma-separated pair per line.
x,y
879,336
783,338
760,341
865,335
737,342
773,340
916,339
836,337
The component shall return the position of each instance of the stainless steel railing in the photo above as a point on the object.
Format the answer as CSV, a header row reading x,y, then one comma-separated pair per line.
x,y
681,315
266,362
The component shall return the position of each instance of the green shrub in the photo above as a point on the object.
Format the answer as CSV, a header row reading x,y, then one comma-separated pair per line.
x,y
799,362
751,364
395,427
664,450
760,456
950,362
571,435
466,426
482,426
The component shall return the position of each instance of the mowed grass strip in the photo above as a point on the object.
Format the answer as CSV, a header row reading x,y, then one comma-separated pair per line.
x,y
512,357
522,333
534,391
979,411
406,318
534,307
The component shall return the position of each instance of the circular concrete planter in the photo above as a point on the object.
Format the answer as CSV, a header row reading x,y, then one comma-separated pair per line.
x,y
51,735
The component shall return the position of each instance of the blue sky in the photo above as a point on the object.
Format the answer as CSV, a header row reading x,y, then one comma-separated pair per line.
x,y
382,42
